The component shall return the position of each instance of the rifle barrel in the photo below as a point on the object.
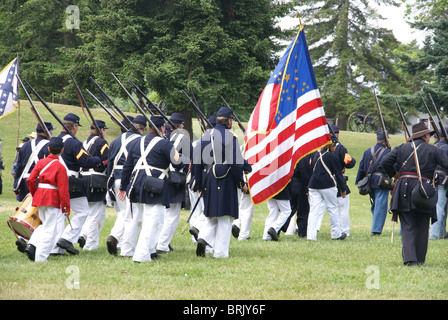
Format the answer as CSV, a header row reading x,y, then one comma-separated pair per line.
x,y
431,119
402,117
34,110
234,114
83,103
50,110
114,119
383,125
138,107
442,127
197,109
139,91
105,96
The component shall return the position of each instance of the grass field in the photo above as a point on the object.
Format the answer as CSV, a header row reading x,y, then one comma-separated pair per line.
x,y
359,268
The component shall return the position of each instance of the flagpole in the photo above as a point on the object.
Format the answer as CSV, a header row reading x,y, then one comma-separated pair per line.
x,y
18,106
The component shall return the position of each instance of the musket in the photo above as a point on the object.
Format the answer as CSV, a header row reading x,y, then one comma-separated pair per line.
x,y
380,115
198,110
107,98
403,121
83,103
114,119
234,114
142,94
142,103
431,118
34,110
201,120
51,111
139,107
442,127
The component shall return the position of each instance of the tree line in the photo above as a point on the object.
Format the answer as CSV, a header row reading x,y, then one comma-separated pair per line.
x,y
225,48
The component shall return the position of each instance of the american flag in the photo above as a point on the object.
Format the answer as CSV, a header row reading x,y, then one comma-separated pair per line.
x,y
287,123
9,101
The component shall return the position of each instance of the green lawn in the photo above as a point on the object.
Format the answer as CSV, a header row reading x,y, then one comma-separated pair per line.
x,y
358,268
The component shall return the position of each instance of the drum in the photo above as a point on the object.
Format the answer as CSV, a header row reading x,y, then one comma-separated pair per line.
x,y
25,220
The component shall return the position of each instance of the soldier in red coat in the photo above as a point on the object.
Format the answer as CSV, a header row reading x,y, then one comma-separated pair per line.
x,y
48,184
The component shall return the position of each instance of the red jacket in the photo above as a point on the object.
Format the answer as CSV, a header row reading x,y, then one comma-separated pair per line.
x,y
55,175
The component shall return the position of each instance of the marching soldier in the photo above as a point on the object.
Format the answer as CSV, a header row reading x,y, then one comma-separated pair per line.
x,y
325,183
145,182
217,176
48,184
118,153
371,164
197,217
346,162
74,157
178,177
413,164
29,154
95,181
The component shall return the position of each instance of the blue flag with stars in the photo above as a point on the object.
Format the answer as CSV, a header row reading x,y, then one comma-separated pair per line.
x,y
9,100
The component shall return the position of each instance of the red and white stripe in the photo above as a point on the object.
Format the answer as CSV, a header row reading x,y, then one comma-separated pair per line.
x,y
274,149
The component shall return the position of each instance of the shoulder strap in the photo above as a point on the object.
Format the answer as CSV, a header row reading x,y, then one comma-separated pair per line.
x,y
326,168
374,159
35,149
123,151
88,145
46,167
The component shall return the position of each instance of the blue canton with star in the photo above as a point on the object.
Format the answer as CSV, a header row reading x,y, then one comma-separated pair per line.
x,y
6,88
296,75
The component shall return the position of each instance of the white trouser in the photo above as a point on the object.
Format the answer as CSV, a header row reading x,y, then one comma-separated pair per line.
x,y
152,222
321,199
45,236
120,207
132,227
245,215
79,209
344,213
170,222
292,227
93,225
217,232
279,211
197,219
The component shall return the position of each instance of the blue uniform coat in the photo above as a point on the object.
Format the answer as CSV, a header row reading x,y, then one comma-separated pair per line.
x,y
99,148
160,156
75,157
220,194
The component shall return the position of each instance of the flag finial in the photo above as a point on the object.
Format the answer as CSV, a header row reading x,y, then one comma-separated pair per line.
x,y
300,17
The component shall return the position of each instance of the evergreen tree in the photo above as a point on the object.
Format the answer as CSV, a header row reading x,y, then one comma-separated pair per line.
x,y
350,54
